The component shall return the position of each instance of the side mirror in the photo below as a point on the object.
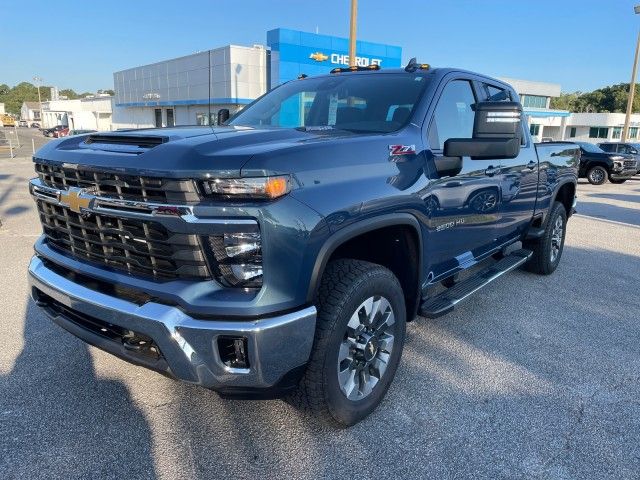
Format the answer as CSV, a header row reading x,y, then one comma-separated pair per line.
x,y
497,132
223,115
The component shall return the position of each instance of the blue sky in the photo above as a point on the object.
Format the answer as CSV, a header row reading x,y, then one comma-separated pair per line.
x,y
581,44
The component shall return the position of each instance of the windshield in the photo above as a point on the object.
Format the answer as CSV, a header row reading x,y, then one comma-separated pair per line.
x,y
358,103
590,147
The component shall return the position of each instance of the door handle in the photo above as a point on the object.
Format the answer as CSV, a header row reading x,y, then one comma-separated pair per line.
x,y
491,171
531,165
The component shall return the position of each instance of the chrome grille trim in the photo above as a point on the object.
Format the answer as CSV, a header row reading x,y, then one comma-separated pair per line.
x,y
116,185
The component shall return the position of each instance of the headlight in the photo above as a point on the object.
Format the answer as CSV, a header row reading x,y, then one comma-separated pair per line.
x,y
249,188
236,258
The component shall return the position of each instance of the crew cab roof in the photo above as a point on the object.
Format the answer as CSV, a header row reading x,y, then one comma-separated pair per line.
x,y
433,72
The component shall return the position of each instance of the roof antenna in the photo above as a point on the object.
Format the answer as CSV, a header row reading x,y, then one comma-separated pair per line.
x,y
412,66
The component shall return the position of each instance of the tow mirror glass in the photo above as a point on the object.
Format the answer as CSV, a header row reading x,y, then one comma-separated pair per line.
x,y
497,132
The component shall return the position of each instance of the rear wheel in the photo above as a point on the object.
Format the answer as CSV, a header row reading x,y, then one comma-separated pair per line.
x,y
360,332
597,175
547,250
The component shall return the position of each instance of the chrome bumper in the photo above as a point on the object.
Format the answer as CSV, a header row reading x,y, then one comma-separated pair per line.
x,y
626,173
188,346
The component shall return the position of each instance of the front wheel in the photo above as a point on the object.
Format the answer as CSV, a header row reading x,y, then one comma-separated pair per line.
x,y
360,331
619,180
548,249
597,175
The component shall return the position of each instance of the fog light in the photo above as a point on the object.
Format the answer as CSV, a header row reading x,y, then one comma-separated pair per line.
x,y
234,352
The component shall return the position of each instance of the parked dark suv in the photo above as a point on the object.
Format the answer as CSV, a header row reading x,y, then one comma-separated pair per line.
x,y
596,165
283,252
625,148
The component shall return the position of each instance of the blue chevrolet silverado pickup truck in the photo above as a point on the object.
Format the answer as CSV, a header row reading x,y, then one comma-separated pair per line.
x,y
282,253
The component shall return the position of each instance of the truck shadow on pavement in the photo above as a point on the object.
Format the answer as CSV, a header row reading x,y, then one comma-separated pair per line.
x,y
604,211
8,188
58,420
616,196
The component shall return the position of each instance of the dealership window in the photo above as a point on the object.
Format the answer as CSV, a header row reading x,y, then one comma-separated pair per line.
x,y
633,132
617,132
572,132
158,117
454,116
205,118
534,129
534,101
170,119
598,132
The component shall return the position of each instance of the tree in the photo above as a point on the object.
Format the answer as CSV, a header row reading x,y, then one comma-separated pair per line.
x,y
23,92
606,99
67,92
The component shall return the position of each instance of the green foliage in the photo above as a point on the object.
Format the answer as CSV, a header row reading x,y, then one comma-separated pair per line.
x,y
23,92
27,92
67,92
606,99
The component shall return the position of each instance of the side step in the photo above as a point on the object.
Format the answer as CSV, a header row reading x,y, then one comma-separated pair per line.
x,y
444,302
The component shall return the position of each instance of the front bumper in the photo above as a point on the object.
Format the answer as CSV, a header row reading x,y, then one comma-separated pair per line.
x,y
623,174
278,347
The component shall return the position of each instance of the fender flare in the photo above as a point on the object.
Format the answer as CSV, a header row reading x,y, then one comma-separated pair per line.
x,y
355,229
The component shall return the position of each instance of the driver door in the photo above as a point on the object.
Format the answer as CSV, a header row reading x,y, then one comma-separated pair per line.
x,y
463,209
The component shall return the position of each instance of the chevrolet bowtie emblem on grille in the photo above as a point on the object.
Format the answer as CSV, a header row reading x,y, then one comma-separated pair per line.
x,y
318,57
76,199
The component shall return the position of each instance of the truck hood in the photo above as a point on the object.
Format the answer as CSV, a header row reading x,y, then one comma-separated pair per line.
x,y
181,152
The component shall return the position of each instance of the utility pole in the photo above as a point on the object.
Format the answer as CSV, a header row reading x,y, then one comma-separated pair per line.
x,y
352,33
632,86
38,81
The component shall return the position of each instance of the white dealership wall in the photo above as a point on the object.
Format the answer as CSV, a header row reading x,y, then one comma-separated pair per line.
x,y
91,113
231,76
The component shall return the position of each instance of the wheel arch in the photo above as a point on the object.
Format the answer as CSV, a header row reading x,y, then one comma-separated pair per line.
x,y
565,194
361,229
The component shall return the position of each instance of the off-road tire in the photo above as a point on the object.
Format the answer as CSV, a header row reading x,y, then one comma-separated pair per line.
x,y
597,175
541,262
617,181
345,285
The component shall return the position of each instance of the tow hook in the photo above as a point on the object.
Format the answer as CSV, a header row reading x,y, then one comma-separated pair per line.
x,y
140,344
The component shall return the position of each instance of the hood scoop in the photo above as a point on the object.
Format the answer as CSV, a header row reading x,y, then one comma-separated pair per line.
x,y
135,144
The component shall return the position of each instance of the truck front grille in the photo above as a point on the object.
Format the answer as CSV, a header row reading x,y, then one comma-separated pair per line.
x,y
123,187
133,246
630,164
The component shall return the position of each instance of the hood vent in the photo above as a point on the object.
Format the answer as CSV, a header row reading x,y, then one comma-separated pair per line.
x,y
138,141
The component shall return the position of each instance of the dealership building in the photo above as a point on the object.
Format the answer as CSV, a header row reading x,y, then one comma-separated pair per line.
x,y
192,89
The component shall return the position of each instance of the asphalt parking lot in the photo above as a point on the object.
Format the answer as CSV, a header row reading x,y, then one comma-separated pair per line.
x,y
536,377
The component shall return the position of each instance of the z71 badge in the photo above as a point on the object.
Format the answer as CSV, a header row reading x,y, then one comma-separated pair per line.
x,y
402,150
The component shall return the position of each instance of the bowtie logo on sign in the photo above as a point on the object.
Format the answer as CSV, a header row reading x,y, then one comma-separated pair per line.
x,y
343,59
319,57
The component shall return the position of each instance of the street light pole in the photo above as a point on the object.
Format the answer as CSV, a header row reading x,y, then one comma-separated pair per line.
x,y
352,33
38,81
632,86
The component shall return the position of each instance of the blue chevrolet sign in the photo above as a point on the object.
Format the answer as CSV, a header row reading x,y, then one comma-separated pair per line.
x,y
294,52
